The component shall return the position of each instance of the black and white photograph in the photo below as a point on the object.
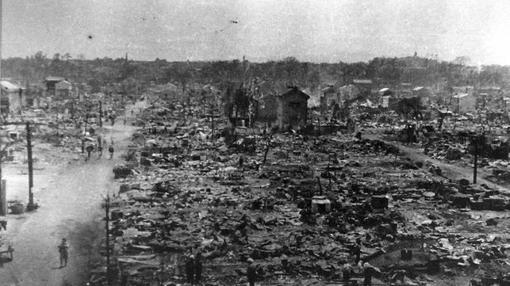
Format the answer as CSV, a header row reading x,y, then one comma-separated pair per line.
x,y
254,142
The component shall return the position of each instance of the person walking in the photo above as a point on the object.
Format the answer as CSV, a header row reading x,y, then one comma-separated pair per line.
x,y
100,151
368,272
251,272
189,268
111,150
63,250
89,149
100,147
197,268
347,272
356,250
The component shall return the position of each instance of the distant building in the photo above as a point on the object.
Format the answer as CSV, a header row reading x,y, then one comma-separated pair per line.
x,y
349,92
292,109
464,99
364,85
425,95
330,97
33,95
51,83
386,97
11,99
490,97
267,108
63,89
464,103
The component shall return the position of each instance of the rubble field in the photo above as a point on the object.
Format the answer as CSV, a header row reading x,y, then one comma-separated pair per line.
x,y
299,206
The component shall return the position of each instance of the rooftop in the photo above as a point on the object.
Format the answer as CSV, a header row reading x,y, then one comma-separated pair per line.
x,y
294,90
54,78
362,81
9,86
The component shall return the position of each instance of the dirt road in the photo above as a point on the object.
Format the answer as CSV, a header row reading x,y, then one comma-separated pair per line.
x,y
450,171
70,208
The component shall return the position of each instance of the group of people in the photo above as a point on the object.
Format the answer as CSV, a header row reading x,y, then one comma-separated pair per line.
x,y
101,144
367,270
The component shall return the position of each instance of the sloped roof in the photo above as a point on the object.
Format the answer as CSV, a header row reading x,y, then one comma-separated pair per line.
x,y
9,86
54,78
460,95
328,89
64,84
385,91
271,88
169,87
295,90
362,81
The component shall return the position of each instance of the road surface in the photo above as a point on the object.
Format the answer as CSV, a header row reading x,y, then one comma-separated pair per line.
x,y
70,199
450,171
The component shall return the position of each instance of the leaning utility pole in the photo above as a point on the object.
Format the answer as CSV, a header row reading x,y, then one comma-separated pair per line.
x,y
107,220
31,205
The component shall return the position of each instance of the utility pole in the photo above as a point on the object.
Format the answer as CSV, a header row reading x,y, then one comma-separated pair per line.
x,y
107,225
3,199
1,20
31,205
319,183
100,113
477,141
475,165
212,125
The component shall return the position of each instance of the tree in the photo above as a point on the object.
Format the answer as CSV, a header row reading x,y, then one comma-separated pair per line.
x,y
180,73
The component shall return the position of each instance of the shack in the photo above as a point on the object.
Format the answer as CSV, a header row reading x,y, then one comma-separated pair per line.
x,y
364,86
292,109
51,83
11,99
424,94
63,89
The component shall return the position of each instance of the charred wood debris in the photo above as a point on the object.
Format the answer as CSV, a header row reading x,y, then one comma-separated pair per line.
x,y
304,207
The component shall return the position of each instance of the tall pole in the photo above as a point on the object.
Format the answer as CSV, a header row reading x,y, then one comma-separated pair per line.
x,y
100,113
3,211
1,20
107,220
1,155
475,165
30,205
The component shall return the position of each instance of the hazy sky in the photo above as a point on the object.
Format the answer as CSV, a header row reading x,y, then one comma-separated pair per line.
x,y
313,30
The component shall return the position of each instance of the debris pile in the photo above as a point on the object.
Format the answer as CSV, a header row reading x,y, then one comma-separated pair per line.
x,y
301,207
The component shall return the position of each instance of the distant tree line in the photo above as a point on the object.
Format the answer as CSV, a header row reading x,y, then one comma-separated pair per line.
x,y
129,75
